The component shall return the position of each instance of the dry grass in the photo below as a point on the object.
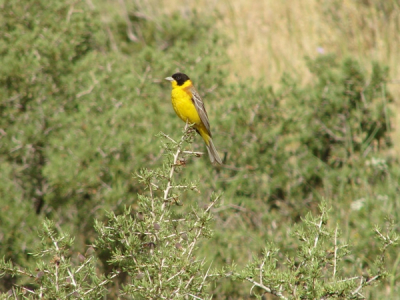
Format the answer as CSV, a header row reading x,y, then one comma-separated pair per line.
x,y
271,38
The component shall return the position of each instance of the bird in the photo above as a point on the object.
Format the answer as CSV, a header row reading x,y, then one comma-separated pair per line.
x,y
189,106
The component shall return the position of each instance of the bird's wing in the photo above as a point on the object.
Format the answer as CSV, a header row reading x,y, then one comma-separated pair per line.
x,y
201,110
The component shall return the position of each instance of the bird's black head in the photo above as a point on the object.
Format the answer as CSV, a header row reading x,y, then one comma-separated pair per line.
x,y
180,78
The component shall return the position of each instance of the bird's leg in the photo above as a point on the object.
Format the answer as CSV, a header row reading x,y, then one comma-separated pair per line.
x,y
189,127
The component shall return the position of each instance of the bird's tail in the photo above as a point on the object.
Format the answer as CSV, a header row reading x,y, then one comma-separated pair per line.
x,y
212,152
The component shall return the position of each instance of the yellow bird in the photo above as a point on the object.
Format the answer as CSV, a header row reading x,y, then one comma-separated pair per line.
x,y
190,108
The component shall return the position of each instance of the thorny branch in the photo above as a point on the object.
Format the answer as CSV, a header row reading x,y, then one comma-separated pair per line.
x,y
265,288
175,162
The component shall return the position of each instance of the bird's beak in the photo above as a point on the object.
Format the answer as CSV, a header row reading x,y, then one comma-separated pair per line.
x,y
169,79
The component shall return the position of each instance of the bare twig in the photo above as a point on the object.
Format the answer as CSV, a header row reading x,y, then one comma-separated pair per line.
x,y
171,173
113,43
335,253
204,278
261,269
90,89
330,132
102,283
362,284
129,29
319,230
195,297
83,265
193,152
265,288
175,163
200,230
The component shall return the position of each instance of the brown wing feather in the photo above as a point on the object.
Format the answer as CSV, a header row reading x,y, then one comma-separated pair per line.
x,y
201,110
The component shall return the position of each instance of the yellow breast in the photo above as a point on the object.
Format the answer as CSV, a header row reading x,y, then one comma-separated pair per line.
x,y
184,107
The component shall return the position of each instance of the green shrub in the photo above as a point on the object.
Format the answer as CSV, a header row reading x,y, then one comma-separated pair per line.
x,y
290,148
316,271
297,137
151,253
81,104
78,118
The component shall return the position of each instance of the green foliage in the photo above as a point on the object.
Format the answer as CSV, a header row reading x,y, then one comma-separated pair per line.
x,y
317,132
82,100
292,147
58,273
151,252
316,272
154,248
41,44
78,118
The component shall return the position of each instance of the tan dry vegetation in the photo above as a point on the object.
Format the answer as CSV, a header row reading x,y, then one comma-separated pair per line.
x,y
270,38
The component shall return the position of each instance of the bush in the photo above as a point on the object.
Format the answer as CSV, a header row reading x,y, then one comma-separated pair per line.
x,y
151,253
316,272
82,103
313,133
78,118
290,148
